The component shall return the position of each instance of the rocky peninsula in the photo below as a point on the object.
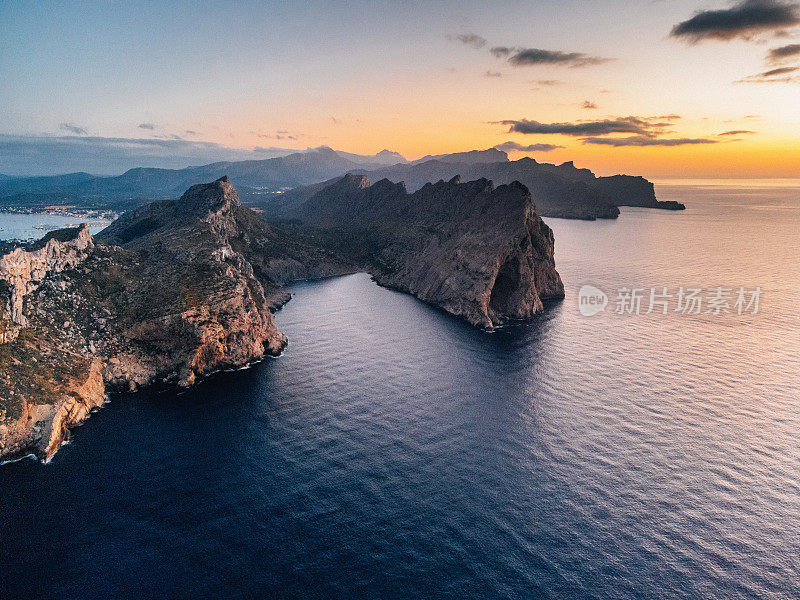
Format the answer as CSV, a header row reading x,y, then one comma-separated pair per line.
x,y
178,289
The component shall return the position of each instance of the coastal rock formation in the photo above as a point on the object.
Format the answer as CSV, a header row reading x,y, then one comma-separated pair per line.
x,y
162,295
22,270
557,191
634,191
181,288
479,252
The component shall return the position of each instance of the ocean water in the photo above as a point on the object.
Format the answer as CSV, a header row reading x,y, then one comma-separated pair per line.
x,y
394,451
15,226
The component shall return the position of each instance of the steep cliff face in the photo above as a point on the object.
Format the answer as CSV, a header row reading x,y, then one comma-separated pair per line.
x,y
162,295
557,191
634,191
23,270
181,288
478,252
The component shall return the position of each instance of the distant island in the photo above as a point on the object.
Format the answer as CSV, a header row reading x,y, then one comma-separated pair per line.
x,y
178,289
276,185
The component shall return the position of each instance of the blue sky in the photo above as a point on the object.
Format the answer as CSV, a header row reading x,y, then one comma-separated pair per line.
x,y
366,75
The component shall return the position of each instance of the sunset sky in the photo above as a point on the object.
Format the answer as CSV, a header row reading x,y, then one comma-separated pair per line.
x,y
713,94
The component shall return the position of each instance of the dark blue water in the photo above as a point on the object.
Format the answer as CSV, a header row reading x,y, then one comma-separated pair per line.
x,y
394,451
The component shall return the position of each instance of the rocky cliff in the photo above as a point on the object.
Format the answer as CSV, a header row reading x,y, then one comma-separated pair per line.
x,y
634,191
23,270
181,288
163,295
475,250
557,191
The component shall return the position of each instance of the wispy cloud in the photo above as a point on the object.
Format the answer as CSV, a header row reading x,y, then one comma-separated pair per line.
x,y
642,131
514,146
150,126
744,20
73,128
737,132
470,39
783,52
638,125
527,57
493,74
779,75
640,140
547,82
588,104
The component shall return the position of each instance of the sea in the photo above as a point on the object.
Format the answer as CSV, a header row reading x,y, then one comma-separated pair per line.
x,y
639,440
22,226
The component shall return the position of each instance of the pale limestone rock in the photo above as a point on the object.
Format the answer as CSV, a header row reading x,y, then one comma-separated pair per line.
x,y
24,270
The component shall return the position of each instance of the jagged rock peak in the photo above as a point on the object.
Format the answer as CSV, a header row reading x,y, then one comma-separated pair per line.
x,y
354,181
387,184
212,196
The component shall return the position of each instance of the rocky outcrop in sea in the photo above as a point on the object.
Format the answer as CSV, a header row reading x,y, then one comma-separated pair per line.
x,y
475,250
179,289
161,296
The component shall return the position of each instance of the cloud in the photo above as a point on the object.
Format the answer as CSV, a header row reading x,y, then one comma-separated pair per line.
x,y
493,74
547,82
528,57
73,128
52,155
514,146
470,39
500,51
638,125
743,20
776,72
150,126
783,52
588,105
779,75
190,132
737,132
640,140
281,134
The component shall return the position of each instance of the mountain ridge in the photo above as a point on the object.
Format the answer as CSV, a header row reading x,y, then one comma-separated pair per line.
x,y
178,289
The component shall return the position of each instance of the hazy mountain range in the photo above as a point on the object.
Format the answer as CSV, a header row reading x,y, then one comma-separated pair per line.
x,y
139,184
278,184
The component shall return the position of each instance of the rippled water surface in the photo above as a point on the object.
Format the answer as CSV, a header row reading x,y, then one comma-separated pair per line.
x,y
394,451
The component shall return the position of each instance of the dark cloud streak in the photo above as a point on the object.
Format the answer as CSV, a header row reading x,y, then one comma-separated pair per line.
x,y
641,141
527,57
779,75
743,20
514,146
783,52
637,125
